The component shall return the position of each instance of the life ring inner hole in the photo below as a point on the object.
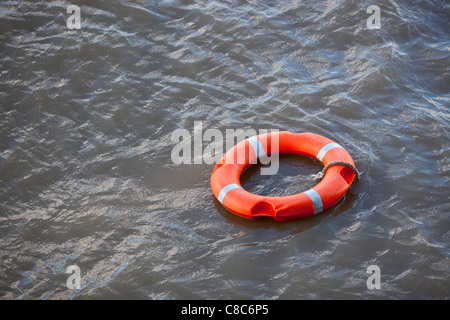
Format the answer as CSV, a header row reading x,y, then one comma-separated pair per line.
x,y
296,173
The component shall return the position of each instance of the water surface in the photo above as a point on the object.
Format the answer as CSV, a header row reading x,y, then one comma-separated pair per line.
x,y
86,176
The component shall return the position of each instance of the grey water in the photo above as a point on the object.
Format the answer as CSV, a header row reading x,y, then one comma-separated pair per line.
x,y
86,123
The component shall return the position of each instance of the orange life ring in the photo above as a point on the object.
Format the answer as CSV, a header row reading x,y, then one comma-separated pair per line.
x,y
339,176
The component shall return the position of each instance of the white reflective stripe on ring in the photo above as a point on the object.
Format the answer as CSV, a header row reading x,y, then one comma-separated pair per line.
x,y
327,148
257,146
227,189
316,200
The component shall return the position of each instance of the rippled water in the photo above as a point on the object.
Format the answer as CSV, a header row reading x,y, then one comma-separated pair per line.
x,y
87,179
